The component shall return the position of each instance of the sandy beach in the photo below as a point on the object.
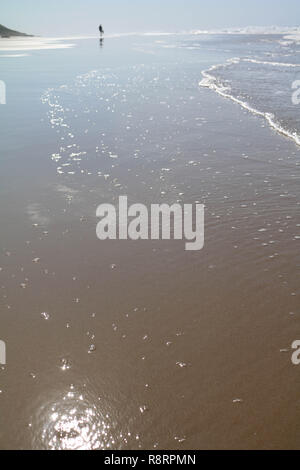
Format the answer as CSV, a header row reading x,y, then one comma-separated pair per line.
x,y
140,344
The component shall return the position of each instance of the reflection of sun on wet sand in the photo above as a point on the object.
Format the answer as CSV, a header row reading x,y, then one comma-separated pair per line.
x,y
32,43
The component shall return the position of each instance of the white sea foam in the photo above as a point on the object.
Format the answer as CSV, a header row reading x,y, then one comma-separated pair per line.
x,y
211,82
275,64
249,30
295,37
263,30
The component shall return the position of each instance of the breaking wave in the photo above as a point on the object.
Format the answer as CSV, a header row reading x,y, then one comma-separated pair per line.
x,y
213,83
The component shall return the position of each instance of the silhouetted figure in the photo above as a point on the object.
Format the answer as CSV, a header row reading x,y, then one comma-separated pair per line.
x,y
101,30
101,42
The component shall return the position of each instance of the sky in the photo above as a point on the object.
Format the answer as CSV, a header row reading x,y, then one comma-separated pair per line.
x,y
65,17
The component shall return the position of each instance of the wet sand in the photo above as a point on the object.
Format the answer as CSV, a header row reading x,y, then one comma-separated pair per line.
x,y
127,345
32,44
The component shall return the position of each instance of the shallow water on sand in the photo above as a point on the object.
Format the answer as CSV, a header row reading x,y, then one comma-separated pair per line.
x,y
126,345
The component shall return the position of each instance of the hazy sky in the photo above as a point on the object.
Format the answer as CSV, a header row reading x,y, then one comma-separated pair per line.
x,y
59,17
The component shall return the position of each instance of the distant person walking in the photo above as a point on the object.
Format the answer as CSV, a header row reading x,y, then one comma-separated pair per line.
x,y
101,30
